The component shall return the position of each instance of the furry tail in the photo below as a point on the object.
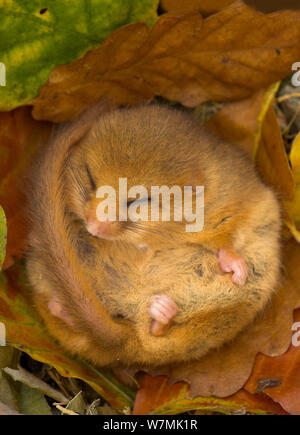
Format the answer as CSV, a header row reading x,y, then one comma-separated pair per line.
x,y
50,236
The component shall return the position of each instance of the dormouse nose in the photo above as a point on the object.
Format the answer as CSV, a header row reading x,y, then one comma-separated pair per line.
x,y
97,228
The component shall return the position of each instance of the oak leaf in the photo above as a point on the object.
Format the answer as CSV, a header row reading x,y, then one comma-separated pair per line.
x,y
278,378
206,7
252,125
157,397
183,58
42,34
20,136
268,6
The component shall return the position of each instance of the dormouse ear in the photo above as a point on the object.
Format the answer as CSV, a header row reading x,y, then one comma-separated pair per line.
x,y
74,131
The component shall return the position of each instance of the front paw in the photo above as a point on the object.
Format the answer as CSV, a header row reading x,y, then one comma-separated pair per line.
x,y
162,310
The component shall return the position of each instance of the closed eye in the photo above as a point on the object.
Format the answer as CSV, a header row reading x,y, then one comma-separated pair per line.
x,y
129,202
90,177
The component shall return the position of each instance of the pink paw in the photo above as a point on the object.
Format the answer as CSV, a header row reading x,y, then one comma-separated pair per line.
x,y
162,310
231,262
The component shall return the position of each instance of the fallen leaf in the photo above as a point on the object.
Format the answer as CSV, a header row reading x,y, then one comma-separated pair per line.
x,y
254,401
155,392
295,158
9,357
47,33
77,404
26,332
157,397
106,410
182,58
279,378
8,389
293,207
19,137
268,6
271,159
206,7
32,381
33,402
3,236
252,125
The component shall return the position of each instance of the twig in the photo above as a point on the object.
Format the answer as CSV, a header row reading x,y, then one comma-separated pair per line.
x,y
56,379
288,96
64,410
287,129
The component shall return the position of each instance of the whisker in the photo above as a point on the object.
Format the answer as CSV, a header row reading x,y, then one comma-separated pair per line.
x,y
81,187
138,228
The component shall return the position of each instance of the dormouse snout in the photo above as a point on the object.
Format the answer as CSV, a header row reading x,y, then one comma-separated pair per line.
x,y
102,229
97,228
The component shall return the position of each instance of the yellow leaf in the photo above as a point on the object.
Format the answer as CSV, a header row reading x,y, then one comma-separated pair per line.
x,y
293,207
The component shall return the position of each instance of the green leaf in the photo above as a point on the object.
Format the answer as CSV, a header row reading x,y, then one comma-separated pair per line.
x,y
205,404
33,402
8,388
77,404
23,376
38,35
3,236
8,391
9,357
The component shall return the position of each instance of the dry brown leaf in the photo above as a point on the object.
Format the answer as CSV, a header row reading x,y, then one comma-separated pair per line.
x,y
223,372
19,137
206,7
156,396
182,58
238,123
279,377
256,401
268,6
271,159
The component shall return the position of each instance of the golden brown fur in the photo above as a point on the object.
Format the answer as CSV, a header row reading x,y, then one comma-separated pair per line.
x,y
103,287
